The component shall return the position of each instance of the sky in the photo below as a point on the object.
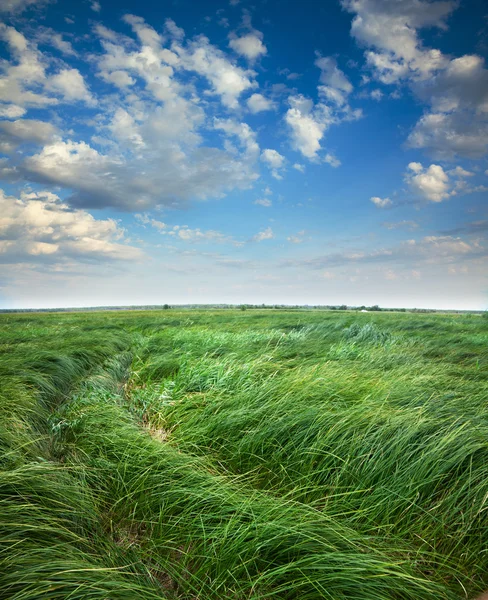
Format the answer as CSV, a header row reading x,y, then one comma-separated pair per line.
x,y
235,151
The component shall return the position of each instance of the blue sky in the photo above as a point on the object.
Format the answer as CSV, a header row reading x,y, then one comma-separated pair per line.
x,y
233,151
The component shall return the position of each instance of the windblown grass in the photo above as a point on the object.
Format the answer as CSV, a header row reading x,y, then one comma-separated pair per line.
x,y
264,454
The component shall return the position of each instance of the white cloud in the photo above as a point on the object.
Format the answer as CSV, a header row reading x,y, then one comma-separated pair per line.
x,y
249,45
460,172
17,6
227,79
436,184
49,37
455,89
120,79
289,74
332,160
335,85
448,135
258,103
11,111
71,85
266,234
391,28
147,35
39,226
381,202
298,238
24,77
95,6
175,32
197,235
145,219
125,130
263,202
14,133
307,124
299,167
25,81
159,173
242,131
431,183
461,85
274,160
186,234
148,147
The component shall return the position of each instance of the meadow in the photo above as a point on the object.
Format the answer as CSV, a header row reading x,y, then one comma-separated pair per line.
x,y
258,454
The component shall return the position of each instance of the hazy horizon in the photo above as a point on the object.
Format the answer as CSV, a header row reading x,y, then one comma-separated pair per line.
x,y
230,152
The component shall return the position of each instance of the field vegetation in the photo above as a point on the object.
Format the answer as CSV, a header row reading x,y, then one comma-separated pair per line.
x,y
229,454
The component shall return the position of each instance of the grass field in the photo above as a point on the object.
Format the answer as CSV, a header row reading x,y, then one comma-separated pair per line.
x,y
243,455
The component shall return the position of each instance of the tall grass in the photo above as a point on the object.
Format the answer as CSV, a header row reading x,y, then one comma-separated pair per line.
x,y
256,454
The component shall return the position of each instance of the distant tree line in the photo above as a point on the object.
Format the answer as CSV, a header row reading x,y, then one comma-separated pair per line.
x,y
374,308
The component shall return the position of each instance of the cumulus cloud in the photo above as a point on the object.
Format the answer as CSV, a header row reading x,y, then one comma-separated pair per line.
x,y
447,135
17,6
244,134
149,146
157,174
435,184
381,202
228,80
250,43
120,79
15,133
307,123
274,160
156,63
335,85
258,103
71,85
391,28
266,234
431,183
25,81
297,238
11,111
455,89
22,78
266,202
145,219
50,37
38,226
332,160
